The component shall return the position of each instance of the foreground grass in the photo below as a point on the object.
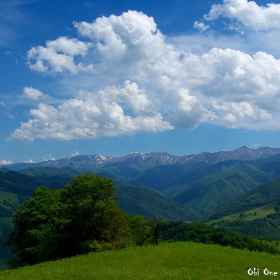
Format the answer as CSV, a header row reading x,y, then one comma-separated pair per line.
x,y
182,260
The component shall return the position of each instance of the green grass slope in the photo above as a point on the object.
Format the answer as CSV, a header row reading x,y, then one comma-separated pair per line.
x,y
182,260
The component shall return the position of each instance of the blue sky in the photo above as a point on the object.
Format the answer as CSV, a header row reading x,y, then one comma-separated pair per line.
x,y
115,77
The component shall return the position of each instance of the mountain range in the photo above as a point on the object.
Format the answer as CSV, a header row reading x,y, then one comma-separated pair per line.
x,y
151,159
200,182
236,189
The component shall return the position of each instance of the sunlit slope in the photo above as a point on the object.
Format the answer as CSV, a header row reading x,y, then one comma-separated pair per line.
x,y
167,261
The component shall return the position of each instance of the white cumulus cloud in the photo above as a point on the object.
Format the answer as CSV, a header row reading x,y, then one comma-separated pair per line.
x,y
129,37
93,115
242,114
58,55
34,94
248,13
149,85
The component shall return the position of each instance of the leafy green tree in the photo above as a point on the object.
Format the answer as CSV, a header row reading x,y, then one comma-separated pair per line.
x,y
66,222
34,227
95,216
138,229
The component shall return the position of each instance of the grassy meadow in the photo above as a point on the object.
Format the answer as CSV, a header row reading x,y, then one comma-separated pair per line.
x,y
179,260
250,215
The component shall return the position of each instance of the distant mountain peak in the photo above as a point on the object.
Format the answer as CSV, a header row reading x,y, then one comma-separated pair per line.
x,y
243,148
150,159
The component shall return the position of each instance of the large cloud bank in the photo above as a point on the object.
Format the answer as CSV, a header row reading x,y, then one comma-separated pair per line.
x,y
149,85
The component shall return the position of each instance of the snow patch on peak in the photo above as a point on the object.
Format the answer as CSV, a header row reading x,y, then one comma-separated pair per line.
x,y
102,157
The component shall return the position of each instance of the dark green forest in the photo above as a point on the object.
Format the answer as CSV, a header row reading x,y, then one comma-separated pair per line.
x,y
198,232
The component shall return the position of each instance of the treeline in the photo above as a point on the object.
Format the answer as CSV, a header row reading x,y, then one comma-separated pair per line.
x,y
197,232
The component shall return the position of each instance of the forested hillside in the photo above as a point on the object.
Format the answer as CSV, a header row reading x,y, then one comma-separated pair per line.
x,y
256,213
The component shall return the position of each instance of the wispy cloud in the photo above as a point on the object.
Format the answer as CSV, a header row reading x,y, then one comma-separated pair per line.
x,y
10,16
28,161
201,26
49,157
